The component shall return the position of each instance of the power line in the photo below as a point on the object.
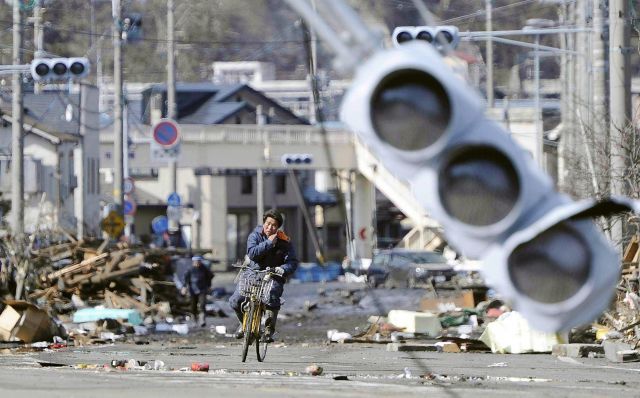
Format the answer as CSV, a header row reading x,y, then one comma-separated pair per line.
x,y
178,41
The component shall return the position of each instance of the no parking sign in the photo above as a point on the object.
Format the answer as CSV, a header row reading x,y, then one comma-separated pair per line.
x,y
165,146
166,133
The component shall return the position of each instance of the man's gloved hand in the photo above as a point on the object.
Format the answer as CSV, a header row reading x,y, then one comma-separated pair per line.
x,y
279,271
183,291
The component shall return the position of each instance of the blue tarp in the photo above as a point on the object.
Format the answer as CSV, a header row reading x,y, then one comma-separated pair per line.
x,y
95,314
312,272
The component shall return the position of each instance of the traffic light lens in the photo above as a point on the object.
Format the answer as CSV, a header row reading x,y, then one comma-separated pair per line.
x,y
59,68
424,35
478,185
77,68
42,69
553,266
403,37
445,36
410,109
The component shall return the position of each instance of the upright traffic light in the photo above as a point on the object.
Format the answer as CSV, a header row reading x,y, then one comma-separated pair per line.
x,y
438,36
296,159
492,201
59,69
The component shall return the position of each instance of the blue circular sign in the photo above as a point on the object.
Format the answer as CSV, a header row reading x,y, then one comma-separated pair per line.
x,y
129,207
165,133
174,199
160,224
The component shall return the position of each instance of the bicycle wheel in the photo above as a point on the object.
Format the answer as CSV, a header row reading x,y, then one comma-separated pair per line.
x,y
261,346
248,333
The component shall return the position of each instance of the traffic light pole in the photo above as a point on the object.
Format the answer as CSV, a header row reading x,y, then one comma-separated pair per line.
x,y
489,89
17,137
118,164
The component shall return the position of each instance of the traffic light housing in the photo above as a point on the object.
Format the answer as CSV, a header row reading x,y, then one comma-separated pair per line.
x,y
59,69
296,159
438,36
492,201
132,27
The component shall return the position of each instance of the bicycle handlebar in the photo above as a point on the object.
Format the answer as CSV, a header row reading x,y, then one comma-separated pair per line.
x,y
268,270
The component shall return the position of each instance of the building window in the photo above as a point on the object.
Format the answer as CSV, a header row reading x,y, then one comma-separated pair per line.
x,y
281,184
246,183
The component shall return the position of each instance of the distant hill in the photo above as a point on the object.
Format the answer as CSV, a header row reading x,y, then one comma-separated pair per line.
x,y
240,30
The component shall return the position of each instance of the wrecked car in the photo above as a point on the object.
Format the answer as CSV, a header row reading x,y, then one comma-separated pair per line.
x,y
408,268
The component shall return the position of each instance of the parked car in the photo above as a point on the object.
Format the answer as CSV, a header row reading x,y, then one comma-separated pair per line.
x,y
402,267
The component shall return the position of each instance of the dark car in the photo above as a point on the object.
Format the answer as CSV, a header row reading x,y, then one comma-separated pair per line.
x,y
402,267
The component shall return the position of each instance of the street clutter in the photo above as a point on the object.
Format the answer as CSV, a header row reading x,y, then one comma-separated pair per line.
x,y
89,292
24,321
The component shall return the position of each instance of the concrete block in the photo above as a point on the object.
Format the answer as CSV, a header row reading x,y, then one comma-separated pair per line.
x,y
576,350
416,322
612,349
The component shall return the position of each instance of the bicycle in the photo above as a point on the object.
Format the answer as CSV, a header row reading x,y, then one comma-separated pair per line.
x,y
256,290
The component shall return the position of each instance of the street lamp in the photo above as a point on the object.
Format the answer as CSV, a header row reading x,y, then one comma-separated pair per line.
x,y
538,23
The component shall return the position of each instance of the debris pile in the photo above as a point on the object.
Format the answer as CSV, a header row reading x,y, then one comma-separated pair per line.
x,y
623,321
92,287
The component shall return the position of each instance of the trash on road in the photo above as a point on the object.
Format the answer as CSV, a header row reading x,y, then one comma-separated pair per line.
x,y
199,367
511,334
313,370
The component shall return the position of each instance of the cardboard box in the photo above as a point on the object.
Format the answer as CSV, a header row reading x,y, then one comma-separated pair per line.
x,y
24,321
444,304
8,320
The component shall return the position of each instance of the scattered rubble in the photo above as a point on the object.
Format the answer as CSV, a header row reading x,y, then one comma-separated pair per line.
x,y
90,291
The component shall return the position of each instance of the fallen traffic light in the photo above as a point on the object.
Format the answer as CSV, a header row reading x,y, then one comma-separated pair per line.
x,y
492,201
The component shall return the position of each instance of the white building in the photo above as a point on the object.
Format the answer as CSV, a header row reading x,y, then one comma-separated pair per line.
x,y
61,159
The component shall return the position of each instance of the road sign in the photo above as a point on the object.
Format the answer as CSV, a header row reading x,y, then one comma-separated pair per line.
x,y
129,207
166,133
129,186
113,224
174,213
160,154
174,199
160,224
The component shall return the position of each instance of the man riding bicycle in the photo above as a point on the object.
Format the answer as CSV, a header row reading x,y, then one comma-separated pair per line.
x,y
267,247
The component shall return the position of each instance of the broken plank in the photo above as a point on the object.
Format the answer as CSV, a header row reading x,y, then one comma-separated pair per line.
x,y
75,267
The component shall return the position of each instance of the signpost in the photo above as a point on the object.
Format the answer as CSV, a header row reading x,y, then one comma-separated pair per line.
x,y
165,146
129,207
160,224
174,212
166,133
174,200
129,186
113,224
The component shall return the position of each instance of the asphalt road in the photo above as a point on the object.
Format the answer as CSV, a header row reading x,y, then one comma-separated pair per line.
x,y
369,369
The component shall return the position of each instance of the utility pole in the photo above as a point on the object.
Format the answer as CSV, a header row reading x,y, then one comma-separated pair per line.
x,y
171,95
489,12
118,164
620,98
17,137
37,39
538,109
